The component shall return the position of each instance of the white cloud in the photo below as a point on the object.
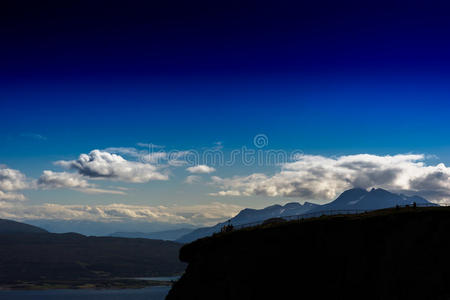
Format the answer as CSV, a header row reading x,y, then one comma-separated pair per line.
x,y
226,193
54,180
105,165
153,155
11,196
202,215
314,177
200,169
123,150
191,179
10,181
94,190
75,181
145,156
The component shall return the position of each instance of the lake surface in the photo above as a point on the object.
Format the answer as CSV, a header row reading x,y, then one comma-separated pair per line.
x,y
167,278
150,293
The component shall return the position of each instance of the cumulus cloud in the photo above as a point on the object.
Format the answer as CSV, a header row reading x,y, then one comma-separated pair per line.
x,y
201,215
313,177
50,179
200,169
10,181
105,165
153,155
75,181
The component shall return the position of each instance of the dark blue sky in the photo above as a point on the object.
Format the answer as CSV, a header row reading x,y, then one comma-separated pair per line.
x,y
328,77
74,40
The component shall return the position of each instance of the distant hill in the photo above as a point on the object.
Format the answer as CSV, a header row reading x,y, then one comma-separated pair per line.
x,y
167,235
8,226
99,228
353,199
385,254
31,253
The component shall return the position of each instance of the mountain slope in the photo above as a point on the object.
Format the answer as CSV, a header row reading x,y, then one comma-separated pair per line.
x,y
8,226
362,199
249,215
353,199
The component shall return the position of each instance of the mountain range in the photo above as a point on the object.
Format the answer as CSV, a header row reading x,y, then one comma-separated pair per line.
x,y
353,199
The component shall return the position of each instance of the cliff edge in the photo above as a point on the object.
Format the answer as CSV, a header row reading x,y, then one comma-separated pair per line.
x,y
386,254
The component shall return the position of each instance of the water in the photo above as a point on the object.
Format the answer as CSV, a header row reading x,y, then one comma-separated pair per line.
x,y
150,293
169,278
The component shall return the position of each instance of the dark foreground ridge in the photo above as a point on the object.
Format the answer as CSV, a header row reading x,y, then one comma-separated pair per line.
x,y
33,258
386,254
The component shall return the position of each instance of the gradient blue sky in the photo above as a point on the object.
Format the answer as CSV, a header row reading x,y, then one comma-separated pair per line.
x,y
329,79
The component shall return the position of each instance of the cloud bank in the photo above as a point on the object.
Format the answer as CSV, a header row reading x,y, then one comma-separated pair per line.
x,y
11,181
201,215
11,196
320,178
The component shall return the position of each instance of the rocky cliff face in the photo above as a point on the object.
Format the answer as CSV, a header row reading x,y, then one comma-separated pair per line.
x,y
388,254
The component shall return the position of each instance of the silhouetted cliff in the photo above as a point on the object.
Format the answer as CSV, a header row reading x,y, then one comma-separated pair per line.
x,y
386,254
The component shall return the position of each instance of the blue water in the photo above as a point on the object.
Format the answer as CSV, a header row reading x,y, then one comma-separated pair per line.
x,y
150,293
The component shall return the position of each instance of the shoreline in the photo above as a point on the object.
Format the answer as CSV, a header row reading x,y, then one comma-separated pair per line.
x,y
82,284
